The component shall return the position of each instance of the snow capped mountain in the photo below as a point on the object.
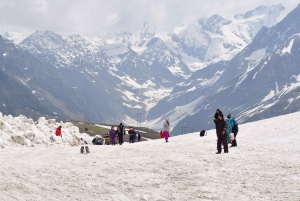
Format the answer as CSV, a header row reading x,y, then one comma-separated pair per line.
x,y
14,35
158,74
281,95
134,81
68,51
136,40
214,39
246,86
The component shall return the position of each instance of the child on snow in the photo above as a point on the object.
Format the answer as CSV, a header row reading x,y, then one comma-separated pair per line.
x,y
112,136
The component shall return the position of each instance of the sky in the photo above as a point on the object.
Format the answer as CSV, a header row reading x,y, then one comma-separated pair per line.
x,y
102,17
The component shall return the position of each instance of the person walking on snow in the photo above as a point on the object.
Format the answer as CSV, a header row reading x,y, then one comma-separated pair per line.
x,y
221,132
166,129
112,136
58,131
121,130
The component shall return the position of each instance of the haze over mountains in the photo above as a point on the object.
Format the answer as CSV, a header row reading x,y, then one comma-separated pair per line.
x,y
184,75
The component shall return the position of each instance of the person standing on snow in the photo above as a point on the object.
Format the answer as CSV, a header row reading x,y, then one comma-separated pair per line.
x,y
235,129
131,133
112,136
161,134
221,132
58,131
216,118
166,129
121,130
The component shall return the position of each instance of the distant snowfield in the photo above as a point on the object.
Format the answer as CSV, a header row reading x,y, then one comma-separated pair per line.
x,y
264,166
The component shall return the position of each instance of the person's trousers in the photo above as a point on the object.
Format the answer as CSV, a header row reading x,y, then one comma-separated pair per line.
x,y
166,134
113,139
235,131
131,139
222,138
120,138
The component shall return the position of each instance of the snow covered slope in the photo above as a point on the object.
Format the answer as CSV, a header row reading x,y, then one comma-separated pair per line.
x,y
264,166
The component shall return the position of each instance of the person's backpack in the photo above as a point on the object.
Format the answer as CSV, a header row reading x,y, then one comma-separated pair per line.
x,y
235,121
203,133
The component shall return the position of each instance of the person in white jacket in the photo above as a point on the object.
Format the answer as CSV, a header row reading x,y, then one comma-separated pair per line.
x,y
166,127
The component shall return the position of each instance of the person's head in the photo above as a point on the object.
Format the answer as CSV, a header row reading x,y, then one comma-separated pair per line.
x,y
120,124
59,127
112,128
229,116
167,119
221,117
218,111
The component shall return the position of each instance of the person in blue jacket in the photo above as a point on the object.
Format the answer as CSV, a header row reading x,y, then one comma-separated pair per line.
x,y
235,128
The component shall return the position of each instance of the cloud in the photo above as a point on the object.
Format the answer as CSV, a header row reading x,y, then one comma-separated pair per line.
x,y
99,17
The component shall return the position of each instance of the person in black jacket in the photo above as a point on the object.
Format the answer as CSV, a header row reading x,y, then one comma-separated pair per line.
x,y
216,118
121,130
221,132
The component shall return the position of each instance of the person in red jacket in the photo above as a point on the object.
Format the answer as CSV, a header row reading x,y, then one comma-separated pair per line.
x,y
161,134
131,133
58,131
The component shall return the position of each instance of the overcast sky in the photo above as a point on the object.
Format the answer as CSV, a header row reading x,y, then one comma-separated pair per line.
x,y
99,17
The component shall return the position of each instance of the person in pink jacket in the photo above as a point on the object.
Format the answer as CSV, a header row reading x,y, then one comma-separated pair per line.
x,y
166,128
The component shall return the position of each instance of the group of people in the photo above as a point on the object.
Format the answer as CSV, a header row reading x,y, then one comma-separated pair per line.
x,y
224,127
120,132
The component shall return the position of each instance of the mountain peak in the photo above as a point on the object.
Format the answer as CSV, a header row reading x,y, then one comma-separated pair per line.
x,y
46,32
213,23
213,20
274,10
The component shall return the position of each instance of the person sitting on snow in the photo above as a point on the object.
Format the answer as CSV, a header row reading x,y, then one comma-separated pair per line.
x,y
58,131
161,134
85,142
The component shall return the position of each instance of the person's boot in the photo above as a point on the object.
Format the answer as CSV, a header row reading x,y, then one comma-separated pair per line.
x,y
82,150
87,150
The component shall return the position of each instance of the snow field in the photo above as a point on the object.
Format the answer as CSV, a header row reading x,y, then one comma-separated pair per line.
x,y
264,166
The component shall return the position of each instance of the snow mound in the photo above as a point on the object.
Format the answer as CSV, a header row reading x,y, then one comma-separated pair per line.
x,y
21,131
